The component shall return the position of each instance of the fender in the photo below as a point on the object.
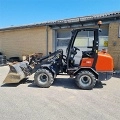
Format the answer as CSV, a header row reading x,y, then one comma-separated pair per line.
x,y
86,68
49,67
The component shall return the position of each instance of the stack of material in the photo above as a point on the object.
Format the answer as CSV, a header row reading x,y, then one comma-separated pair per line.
x,y
34,55
3,60
32,58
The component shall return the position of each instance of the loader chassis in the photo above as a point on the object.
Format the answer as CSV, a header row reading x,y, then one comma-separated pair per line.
x,y
93,66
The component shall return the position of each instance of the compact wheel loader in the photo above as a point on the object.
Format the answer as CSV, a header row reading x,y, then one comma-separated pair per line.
x,y
92,67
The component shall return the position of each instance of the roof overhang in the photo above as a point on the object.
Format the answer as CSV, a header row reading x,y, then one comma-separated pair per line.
x,y
74,22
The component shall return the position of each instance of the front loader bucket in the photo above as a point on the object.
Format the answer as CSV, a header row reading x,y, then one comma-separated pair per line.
x,y
16,73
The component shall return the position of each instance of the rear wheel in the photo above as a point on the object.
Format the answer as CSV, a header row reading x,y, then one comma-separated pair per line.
x,y
43,78
85,80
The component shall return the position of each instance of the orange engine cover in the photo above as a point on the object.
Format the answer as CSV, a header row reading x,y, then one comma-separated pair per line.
x,y
87,62
104,62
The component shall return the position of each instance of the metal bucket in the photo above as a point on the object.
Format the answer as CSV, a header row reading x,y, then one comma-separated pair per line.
x,y
16,73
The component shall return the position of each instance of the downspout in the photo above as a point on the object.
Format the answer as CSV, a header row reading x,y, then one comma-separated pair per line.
x,y
46,40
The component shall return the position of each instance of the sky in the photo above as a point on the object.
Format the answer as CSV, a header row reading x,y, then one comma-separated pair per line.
x,y
25,12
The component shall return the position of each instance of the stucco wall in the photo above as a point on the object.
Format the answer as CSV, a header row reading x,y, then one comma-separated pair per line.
x,y
114,44
0,47
18,42
50,40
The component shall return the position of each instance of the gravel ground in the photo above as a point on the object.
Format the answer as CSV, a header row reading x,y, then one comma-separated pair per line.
x,y
62,101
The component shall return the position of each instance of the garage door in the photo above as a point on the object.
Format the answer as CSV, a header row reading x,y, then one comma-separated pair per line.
x,y
86,38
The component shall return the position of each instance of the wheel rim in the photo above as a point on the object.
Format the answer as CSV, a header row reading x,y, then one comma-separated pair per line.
x,y
43,78
85,80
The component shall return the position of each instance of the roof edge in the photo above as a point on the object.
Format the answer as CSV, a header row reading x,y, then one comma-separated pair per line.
x,y
66,21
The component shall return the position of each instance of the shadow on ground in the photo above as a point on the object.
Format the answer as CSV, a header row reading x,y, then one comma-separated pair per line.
x,y
99,85
24,81
116,75
67,83
58,82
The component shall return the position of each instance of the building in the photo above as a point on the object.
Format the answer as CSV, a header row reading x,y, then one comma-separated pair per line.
x,y
50,36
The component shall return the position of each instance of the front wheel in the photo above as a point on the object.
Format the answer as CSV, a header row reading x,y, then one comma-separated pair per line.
x,y
43,78
85,80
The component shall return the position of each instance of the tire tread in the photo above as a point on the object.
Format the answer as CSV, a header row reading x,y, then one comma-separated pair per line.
x,y
50,76
90,74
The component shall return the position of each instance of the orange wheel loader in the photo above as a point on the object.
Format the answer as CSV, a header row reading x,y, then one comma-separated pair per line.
x,y
93,66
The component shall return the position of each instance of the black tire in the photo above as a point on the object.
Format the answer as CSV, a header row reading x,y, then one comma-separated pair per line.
x,y
43,78
85,80
3,60
2,57
14,59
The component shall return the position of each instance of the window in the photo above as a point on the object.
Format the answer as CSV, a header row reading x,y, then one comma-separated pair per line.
x,y
82,34
104,32
81,42
103,42
63,41
63,33
63,37
81,39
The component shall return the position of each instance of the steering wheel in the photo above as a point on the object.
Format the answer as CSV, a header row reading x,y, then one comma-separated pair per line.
x,y
86,53
76,48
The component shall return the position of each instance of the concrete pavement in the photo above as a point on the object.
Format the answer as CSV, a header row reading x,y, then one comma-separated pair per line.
x,y
62,101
